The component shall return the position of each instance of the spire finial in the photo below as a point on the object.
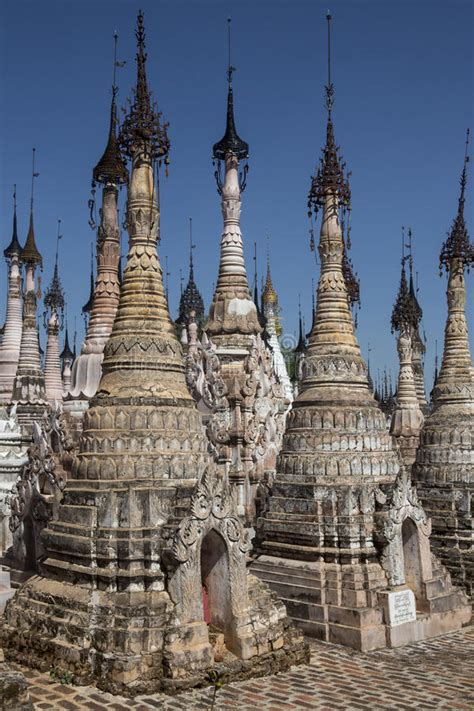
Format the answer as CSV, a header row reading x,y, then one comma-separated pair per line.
x,y
464,173
230,68
111,167
33,176
457,245
114,84
329,85
14,248
231,141
191,245
143,127
54,296
59,236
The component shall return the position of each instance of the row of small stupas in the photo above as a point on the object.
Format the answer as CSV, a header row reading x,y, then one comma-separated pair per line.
x,y
148,543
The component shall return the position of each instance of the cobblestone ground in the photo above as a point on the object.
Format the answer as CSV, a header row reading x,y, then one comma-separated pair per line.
x,y
438,674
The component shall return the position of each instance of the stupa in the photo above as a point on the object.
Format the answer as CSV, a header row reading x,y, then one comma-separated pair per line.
x,y
67,360
417,342
407,417
101,307
10,343
343,540
444,469
271,313
53,319
147,548
29,388
247,425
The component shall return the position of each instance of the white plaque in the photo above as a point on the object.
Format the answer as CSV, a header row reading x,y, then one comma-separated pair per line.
x,y
401,607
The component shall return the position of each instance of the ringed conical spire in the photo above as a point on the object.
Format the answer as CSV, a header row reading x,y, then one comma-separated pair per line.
x,y
191,299
231,141
30,254
111,167
14,249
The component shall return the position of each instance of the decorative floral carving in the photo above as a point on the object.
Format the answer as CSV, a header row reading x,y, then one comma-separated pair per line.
x,y
213,505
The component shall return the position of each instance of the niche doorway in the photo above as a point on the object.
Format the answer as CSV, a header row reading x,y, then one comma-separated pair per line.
x,y
412,558
217,607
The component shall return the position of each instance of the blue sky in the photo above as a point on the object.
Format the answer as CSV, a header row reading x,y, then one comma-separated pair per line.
x,y
403,75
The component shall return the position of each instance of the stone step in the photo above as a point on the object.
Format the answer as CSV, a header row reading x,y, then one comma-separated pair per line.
x,y
298,576
439,585
295,592
443,603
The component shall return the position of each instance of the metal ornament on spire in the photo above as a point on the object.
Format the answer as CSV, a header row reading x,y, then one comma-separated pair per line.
x,y
191,299
330,177
142,129
14,248
30,254
231,141
332,181
111,167
458,245
406,310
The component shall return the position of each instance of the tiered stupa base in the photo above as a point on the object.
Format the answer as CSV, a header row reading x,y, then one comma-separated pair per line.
x,y
346,604
54,622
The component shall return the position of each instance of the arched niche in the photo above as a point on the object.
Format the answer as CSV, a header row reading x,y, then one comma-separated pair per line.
x,y
215,582
412,560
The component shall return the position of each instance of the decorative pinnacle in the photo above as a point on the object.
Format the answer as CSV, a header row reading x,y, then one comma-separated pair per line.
x,y
417,310
30,254
111,167
66,353
54,296
14,248
231,142
405,310
329,85
458,245
87,308
330,178
142,129
191,247
191,299
300,346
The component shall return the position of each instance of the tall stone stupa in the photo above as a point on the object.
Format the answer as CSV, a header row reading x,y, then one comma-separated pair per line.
x,y
147,551
343,539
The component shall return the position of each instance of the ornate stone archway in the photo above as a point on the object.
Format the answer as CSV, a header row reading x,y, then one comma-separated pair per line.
x,y
212,507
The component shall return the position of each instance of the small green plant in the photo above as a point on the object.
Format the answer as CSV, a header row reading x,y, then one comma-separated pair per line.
x,y
60,676
214,678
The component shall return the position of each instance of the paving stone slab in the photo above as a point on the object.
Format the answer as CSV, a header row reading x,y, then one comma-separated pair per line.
x,y
433,674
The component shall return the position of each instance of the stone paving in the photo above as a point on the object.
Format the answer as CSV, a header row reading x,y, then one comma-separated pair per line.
x,y
438,674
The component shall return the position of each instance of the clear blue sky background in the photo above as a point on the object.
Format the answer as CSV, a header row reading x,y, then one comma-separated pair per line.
x,y
403,73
